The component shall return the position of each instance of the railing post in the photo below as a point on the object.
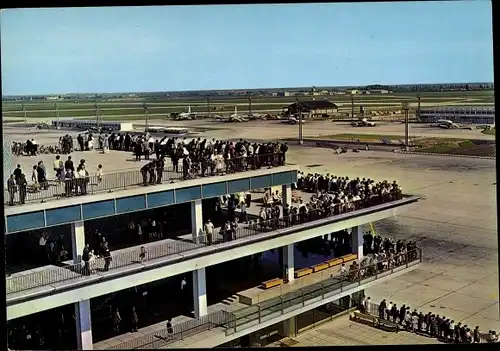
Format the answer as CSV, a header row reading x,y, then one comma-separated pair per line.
x,y
282,306
322,290
259,314
303,300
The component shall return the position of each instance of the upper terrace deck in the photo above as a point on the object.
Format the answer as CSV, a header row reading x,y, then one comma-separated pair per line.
x,y
129,179
133,198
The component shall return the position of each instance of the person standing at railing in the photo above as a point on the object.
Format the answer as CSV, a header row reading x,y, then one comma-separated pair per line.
x,y
170,330
12,189
42,175
209,231
134,320
144,173
107,259
86,259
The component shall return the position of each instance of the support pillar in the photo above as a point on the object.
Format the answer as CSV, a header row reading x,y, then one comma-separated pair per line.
x,y
286,194
199,293
83,325
77,240
196,220
357,241
288,262
290,327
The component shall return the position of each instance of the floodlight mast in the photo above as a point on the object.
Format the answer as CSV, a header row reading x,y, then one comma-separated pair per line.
x,y
24,113
97,115
56,107
406,108
146,116
301,135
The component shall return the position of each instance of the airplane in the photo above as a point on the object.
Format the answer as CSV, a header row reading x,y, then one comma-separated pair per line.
x,y
445,124
235,117
185,115
155,129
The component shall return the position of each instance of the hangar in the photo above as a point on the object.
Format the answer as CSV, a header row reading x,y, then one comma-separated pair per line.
x,y
317,108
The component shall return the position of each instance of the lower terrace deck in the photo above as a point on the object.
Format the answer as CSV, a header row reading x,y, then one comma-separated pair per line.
x,y
228,322
26,286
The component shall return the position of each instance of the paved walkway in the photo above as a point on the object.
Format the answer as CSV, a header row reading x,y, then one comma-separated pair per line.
x,y
343,332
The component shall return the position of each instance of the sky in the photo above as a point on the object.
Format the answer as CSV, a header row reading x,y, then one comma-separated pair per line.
x,y
177,48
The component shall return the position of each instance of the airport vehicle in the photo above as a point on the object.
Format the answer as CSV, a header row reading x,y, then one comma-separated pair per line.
x,y
363,123
176,131
155,129
43,125
292,120
183,116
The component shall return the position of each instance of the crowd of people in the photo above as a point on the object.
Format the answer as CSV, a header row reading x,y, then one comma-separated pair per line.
x,y
208,157
430,324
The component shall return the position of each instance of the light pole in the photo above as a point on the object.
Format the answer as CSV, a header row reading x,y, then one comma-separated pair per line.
x,y
418,107
146,116
96,115
208,106
406,107
24,113
56,107
301,136
352,105
250,106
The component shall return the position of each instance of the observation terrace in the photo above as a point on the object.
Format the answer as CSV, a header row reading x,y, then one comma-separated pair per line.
x,y
54,287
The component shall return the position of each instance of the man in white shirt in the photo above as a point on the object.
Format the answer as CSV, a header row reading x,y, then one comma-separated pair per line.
x,y
183,283
41,244
209,231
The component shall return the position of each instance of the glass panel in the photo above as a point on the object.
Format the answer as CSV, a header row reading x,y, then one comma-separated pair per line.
x,y
25,221
214,190
63,215
188,194
132,203
98,209
160,199
236,186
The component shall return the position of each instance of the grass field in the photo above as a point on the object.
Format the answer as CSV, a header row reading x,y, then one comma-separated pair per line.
x,y
488,131
132,109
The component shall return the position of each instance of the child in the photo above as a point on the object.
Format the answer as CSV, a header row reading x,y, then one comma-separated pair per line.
x,y
142,254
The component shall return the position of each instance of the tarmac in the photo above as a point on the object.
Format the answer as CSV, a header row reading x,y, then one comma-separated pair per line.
x,y
455,223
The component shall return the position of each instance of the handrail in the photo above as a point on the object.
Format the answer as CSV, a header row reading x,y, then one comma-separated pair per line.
x,y
300,297
16,284
92,184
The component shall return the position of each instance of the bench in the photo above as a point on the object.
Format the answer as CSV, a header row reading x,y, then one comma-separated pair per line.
x,y
349,258
364,318
388,325
319,267
334,262
302,272
272,283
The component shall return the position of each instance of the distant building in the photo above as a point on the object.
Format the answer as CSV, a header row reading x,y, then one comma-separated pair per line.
x,y
315,107
459,114
52,98
353,92
366,92
380,91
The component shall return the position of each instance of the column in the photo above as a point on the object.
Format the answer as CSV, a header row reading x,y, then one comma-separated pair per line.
x,y
290,327
199,293
77,240
286,194
83,325
288,262
196,219
357,241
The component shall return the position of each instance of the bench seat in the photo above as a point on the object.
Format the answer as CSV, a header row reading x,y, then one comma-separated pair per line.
x,y
349,258
272,283
388,325
363,317
302,272
334,262
319,267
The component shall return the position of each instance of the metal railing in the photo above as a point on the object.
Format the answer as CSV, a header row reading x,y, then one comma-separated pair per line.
x,y
92,184
129,258
287,302
178,332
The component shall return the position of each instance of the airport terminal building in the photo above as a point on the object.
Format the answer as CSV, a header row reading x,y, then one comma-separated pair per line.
x,y
82,298
459,114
